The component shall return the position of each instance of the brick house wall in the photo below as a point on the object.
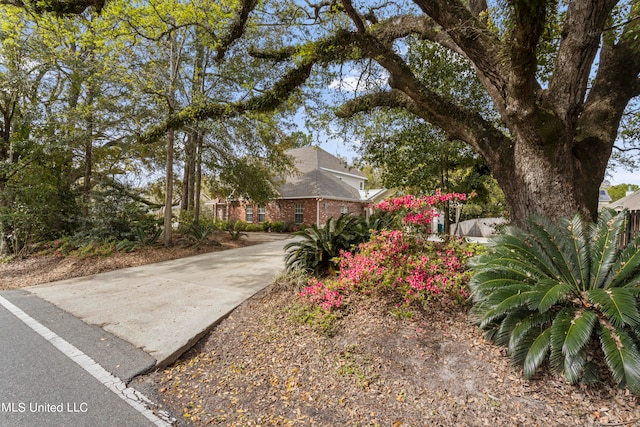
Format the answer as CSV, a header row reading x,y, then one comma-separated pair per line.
x,y
282,210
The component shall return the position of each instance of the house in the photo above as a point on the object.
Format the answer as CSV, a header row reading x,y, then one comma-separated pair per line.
x,y
603,198
630,202
324,187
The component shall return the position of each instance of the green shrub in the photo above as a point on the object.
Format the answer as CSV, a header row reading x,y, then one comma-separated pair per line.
x,y
235,231
319,248
266,226
221,225
277,227
567,292
94,248
239,225
199,233
253,227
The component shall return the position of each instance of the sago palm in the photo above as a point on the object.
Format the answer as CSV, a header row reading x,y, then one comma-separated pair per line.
x,y
560,291
318,247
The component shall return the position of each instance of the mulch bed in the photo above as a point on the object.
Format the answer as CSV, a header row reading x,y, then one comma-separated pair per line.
x,y
263,366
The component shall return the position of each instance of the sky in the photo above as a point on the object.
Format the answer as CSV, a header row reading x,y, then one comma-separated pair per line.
x,y
625,177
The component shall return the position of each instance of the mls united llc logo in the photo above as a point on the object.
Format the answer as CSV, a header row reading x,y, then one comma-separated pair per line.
x,y
34,407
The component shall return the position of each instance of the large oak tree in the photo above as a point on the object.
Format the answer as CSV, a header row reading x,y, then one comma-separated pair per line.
x,y
560,100
550,151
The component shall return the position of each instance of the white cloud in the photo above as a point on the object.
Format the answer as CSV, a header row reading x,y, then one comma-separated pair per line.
x,y
355,82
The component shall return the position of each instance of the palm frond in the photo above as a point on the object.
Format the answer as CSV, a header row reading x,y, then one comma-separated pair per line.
x,y
489,317
552,239
574,366
507,324
622,357
488,281
604,235
579,333
518,353
626,270
515,295
551,293
529,321
577,250
559,329
619,305
537,353
497,295
524,255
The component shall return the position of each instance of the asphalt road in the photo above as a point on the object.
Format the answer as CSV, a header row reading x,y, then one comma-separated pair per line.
x,y
47,379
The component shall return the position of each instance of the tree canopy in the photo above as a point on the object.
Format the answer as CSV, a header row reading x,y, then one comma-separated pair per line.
x,y
537,88
559,77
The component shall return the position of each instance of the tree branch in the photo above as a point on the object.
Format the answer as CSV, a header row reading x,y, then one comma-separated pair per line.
x,y
616,83
237,28
580,39
457,123
276,55
63,7
529,22
402,26
472,36
357,20
268,101
626,150
368,103
478,7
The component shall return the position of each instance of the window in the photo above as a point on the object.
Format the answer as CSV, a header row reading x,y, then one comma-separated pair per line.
x,y
249,213
344,210
222,213
298,213
361,185
261,214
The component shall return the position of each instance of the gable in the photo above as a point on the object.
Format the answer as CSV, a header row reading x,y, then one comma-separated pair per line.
x,y
322,175
318,184
307,159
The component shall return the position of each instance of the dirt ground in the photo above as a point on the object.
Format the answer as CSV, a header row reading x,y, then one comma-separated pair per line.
x,y
264,365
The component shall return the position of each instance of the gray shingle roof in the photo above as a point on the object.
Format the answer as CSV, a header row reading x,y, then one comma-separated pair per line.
x,y
312,158
316,179
631,202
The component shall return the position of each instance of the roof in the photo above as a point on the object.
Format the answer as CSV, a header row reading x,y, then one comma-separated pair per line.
x,y
630,202
604,196
319,177
318,183
312,158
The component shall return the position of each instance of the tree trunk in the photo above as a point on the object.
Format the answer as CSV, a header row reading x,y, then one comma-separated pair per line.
x,y
188,177
544,176
86,187
174,64
88,159
168,197
5,150
198,179
191,184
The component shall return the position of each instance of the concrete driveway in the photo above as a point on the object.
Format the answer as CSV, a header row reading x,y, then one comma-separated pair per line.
x,y
165,308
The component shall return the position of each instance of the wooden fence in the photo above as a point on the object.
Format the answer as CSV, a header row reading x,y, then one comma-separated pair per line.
x,y
632,227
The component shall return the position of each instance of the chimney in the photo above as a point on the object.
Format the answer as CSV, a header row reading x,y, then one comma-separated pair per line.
x,y
629,191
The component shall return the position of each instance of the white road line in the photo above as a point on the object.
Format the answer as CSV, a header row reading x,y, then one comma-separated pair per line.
x,y
134,398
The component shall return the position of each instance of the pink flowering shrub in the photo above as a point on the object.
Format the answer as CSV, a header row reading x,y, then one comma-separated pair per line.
x,y
418,211
405,269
